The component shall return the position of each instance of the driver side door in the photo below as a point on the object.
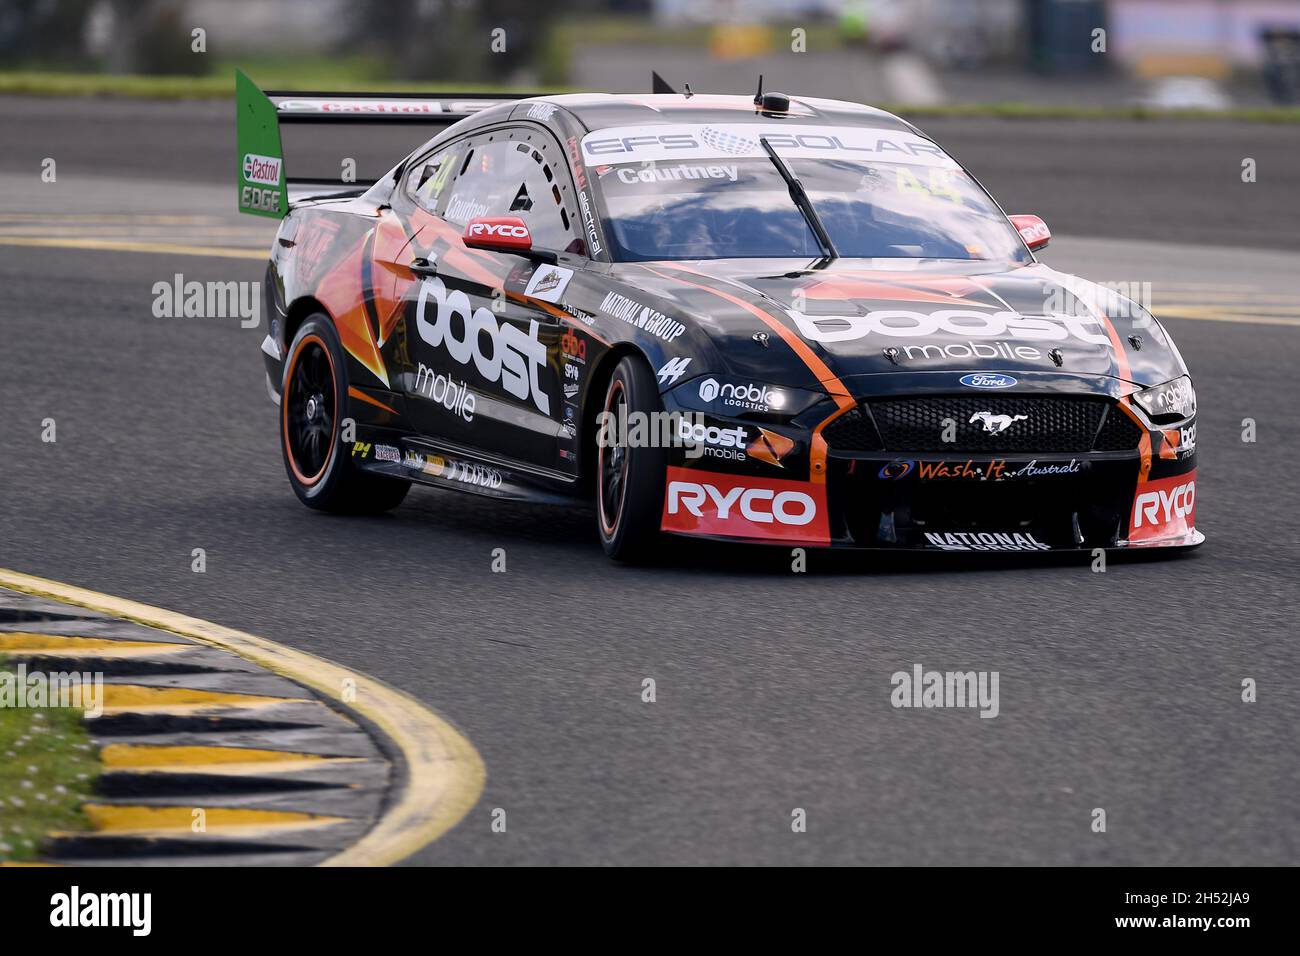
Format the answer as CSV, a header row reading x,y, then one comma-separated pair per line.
x,y
483,348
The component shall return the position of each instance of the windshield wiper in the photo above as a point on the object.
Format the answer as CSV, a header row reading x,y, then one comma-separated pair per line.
x,y
800,197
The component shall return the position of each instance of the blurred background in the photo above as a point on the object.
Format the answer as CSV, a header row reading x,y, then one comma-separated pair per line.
x,y
1087,54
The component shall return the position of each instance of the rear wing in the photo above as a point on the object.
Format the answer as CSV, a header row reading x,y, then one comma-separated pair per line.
x,y
265,189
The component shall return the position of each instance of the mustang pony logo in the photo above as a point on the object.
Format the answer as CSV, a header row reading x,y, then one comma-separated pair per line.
x,y
996,424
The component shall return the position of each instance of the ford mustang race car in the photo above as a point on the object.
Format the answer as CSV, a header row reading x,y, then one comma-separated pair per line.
x,y
775,319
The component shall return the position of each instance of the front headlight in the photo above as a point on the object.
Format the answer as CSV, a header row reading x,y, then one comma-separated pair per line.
x,y
738,398
1168,403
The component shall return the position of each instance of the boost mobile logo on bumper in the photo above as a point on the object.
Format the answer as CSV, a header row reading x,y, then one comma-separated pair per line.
x,y
514,358
262,170
705,502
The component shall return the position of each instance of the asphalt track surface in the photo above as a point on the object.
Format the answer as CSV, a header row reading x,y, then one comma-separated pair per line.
x,y
1118,690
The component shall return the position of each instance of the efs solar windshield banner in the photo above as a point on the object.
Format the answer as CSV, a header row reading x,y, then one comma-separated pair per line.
x,y
636,144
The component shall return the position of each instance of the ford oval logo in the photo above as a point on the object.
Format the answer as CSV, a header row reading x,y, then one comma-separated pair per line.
x,y
984,380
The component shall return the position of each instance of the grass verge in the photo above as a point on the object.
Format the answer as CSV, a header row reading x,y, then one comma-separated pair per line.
x,y
48,768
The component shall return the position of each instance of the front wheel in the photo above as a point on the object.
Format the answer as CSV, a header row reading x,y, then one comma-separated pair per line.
x,y
313,397
629,480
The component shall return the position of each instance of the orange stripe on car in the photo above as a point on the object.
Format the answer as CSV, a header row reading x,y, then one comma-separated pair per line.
x,y
354,392
1144,446
1125,372
829,380
801,348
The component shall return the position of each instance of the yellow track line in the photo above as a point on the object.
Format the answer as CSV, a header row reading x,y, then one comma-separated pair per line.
x,y
170,249
444,773
227,761
146,699
59,645
131,820
136,756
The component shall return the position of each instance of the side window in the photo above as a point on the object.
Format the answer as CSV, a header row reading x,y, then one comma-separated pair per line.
x,y
428,177
517,173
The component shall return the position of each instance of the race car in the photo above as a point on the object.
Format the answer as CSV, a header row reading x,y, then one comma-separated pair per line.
x,y
769,319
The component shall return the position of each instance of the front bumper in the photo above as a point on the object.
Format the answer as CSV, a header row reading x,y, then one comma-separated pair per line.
x,y
1095,474
1019,503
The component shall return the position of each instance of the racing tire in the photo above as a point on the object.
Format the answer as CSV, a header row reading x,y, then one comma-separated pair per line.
x,y
630,481
313,402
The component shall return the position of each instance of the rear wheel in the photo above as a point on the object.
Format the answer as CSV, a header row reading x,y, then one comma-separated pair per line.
x,y
313,398
630,481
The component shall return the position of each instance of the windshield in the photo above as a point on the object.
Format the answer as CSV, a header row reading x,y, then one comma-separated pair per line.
x,y
715,206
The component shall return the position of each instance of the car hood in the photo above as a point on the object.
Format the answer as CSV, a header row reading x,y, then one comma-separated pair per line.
x,y
862,317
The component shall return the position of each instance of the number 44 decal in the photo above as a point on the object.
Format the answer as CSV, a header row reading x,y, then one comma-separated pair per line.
x,y
673,370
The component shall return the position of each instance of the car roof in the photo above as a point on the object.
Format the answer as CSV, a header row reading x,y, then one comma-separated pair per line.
x,y
601,110
595,111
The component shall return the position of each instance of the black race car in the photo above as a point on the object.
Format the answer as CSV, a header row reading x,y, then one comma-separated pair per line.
x,y
773,319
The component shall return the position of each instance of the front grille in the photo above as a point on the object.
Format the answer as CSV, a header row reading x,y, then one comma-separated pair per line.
x,y
1048,425
852,431
1118,432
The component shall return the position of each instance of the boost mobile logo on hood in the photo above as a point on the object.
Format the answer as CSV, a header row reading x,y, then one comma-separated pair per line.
x,y
262,170
962,323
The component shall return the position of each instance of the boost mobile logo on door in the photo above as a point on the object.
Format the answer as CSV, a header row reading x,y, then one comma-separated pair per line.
x,y
514,359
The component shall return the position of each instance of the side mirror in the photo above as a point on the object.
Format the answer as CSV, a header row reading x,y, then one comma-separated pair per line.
x,y
1033,230
502,234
